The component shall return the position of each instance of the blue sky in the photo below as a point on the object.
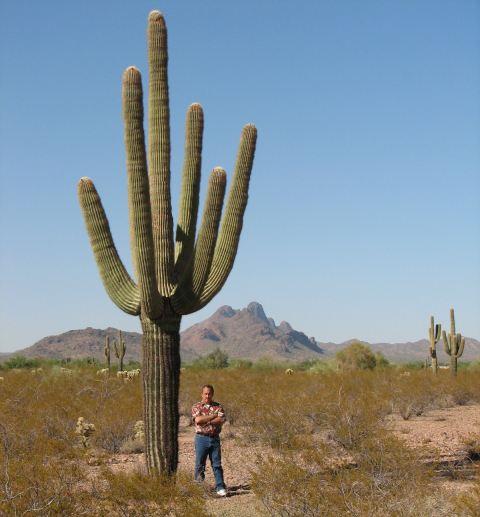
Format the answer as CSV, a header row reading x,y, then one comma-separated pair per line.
x,y
364,213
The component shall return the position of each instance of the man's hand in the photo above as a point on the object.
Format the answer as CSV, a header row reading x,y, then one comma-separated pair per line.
x,y
218,420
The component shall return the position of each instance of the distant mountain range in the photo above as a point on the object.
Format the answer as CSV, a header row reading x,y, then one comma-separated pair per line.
x,y
245,333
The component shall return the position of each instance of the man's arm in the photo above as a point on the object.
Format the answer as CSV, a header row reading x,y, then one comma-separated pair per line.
x,y
205,419
218,420
210,419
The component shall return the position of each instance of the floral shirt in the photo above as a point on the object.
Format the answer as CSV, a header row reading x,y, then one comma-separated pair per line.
x,y
200,409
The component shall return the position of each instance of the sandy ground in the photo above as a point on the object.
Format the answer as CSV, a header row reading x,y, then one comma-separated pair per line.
x,y
441,435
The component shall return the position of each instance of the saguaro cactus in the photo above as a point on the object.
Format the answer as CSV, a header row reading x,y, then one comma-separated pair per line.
x,y
120,349
434,334
453,344
106,351
174,277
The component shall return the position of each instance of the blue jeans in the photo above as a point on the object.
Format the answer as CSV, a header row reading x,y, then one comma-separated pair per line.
x,y
208,446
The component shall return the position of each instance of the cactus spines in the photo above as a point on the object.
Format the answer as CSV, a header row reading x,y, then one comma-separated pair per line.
x,y
174,276
120,349
106,351
453,344
434,334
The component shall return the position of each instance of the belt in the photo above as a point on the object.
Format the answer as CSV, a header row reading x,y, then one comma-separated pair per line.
x,y
210,435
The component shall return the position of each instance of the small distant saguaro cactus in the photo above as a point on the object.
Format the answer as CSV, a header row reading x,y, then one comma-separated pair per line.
x,y
177,275
106,351
434,334
453,344
120,349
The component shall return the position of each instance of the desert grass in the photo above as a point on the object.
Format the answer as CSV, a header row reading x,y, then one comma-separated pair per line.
x,y
328,448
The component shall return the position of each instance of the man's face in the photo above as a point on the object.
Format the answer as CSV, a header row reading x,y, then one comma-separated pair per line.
x,y
207,395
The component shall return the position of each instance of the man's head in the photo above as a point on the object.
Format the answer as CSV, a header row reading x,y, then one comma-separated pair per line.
x,y
207,394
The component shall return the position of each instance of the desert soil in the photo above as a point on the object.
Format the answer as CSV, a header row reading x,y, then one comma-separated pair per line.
x,y
440,434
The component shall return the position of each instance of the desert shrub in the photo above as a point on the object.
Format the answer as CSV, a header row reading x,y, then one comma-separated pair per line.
x,y
351,408
356,356
264,364
215,360
411,396
240,363
132,445
303,366
137,494
383,478
468,502
414,365
381,361
20,361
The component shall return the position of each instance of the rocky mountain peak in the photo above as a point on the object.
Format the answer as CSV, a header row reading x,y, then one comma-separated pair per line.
x,y
285,327
225,311
256,309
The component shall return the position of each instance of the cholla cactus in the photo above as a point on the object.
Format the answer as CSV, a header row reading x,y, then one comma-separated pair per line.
x,y
434,334
84,430
133,374
176,274
120,349
106,351
453,344
139,429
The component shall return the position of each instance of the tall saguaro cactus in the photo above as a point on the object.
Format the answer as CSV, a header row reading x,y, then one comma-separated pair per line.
x,y
434,334
453,344
173,277
120,349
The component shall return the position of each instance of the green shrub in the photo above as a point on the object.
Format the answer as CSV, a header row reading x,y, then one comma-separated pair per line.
x,y
356,356
20,361
381,361
216,360
240,363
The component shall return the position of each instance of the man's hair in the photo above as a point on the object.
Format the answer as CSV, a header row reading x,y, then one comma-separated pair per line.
x,y
208,386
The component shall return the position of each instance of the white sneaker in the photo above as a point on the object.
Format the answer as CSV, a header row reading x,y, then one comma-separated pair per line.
x,y
222,492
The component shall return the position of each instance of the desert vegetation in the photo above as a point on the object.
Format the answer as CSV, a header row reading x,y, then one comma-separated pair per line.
x,y
323,440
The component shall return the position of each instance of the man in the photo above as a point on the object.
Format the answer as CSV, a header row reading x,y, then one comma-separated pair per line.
x,y
208,417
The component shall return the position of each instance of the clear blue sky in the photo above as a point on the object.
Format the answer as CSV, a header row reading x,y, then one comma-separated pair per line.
x,y
364,209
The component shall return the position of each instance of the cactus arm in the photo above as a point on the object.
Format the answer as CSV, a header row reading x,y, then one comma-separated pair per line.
x,y
188,293
231,226
159,152
188,206
438,332
446,343
460,345
138,193
452,322
117,282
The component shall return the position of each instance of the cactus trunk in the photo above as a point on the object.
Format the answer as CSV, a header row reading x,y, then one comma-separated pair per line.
x,y
434,363
453,365
453,344
161,381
